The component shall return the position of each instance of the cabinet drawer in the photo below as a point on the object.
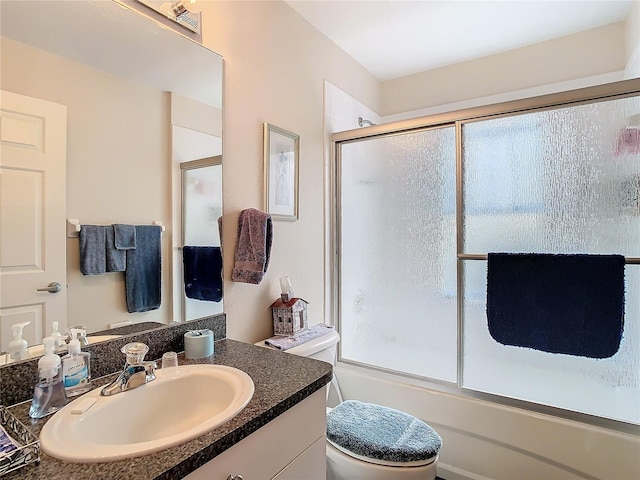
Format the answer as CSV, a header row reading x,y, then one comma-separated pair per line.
x,y
264,453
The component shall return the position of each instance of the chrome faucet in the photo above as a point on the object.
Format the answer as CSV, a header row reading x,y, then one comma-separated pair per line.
x,y
136,371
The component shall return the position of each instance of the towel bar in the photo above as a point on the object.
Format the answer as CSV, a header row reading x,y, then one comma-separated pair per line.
x,y
480,256
73,227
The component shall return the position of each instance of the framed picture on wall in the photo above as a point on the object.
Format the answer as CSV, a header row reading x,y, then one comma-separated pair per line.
x,y
281,151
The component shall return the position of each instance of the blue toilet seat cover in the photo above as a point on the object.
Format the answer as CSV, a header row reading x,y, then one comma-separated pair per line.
x,y
381,433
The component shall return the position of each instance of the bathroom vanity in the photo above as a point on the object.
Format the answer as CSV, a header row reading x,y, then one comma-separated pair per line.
x,y
279,434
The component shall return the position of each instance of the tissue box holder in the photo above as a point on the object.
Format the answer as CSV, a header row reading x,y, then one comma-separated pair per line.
x,y
28,450
289,316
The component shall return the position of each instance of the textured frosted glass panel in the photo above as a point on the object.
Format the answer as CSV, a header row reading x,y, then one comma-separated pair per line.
x,y
202,203
202,206
397,284
552,181
609,387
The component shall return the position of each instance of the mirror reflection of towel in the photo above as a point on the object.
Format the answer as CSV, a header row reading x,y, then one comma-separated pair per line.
x,y
124,236
569,304
93,260
143,274
202,273
98,253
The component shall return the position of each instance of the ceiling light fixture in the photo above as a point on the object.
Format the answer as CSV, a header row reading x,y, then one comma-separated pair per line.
x,y
183,7
184,12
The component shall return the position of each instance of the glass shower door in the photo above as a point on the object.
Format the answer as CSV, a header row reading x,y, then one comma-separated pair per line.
x,y
202,207
555,181
397,253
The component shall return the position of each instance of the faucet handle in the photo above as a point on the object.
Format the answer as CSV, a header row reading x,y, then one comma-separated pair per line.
x,y
135,352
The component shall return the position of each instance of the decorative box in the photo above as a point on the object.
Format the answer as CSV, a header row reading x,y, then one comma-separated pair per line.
x,y
289,315
28,450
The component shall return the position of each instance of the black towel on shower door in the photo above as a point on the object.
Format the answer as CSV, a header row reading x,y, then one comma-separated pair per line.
x,y
202,273
569,304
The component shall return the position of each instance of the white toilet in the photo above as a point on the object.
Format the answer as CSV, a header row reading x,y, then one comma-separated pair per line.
x,y
363,439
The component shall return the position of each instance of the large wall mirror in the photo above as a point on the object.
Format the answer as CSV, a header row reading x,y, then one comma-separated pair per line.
x,y
131,101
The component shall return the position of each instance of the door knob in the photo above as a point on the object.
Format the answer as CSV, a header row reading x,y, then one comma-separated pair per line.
x,y
53,287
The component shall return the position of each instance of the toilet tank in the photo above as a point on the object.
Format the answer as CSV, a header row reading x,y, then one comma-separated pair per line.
x,y
321,348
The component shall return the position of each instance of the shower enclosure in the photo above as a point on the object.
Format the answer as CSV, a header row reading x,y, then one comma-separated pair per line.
x,y
418,205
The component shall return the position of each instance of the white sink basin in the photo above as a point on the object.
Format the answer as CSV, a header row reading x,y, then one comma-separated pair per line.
x,y
167,411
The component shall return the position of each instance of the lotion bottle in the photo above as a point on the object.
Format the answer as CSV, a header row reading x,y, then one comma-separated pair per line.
x,y
48,394
76,368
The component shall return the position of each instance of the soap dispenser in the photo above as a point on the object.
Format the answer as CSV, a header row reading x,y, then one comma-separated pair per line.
x,y
57,336
17,347
48,394
76,371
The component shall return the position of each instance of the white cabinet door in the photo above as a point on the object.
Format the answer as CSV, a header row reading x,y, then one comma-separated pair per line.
x,y
266,452
310,465
33,139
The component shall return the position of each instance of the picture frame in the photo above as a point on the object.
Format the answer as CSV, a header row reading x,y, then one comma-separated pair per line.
x,y
281,152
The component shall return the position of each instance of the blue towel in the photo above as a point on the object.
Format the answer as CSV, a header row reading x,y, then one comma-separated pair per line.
x,y
143,275
124,236
569,304
116,259
93,260
202,273
98,253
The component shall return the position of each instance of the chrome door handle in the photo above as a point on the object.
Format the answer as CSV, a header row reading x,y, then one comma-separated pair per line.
x,y
53,287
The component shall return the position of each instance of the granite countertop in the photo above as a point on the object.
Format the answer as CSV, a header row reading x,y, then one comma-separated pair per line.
x,y
281,381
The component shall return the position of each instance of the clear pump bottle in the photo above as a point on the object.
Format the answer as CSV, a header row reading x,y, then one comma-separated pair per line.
x,y
48,394
76,368
18,347
57,336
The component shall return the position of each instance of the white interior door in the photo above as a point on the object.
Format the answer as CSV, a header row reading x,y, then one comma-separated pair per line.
x,y
33,138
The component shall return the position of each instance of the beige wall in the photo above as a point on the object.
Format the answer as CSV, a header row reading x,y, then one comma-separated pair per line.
x,y
275,66
118,157
632,42
585,54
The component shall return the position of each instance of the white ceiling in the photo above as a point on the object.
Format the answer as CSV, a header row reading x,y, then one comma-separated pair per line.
x,y
394,38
